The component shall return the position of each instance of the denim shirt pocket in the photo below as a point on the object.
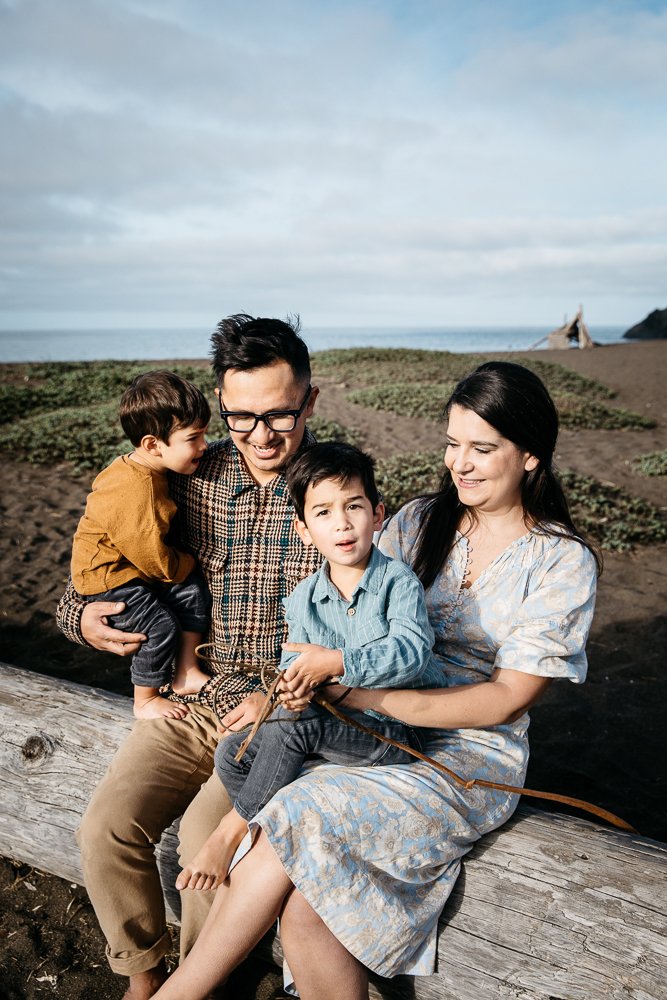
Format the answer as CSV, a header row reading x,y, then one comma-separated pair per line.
x,y
377,627
322,636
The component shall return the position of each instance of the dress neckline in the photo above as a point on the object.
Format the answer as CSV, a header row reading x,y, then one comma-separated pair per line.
x,y
521,540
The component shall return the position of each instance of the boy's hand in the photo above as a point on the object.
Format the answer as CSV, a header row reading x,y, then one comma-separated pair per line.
x,y
100,635
312,667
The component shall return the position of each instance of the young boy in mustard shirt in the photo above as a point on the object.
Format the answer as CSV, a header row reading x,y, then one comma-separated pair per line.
x,y
121,550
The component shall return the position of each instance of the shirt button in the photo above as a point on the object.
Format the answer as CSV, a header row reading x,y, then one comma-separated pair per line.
x,y
351,611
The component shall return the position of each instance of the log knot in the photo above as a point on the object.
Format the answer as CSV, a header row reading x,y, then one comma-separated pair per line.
x,y
38,747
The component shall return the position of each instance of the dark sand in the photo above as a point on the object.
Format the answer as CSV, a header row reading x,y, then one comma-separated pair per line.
x,y
601,741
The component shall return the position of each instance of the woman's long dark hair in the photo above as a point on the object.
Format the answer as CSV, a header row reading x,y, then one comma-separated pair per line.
x,y
517,404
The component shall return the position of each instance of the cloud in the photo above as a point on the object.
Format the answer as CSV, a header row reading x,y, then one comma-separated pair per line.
x,y
374,157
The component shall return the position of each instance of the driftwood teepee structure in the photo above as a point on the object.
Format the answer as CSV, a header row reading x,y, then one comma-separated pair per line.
x,y
573,333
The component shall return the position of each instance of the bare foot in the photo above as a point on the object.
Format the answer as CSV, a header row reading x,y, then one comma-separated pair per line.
x,y
144,985
159,708
188,678
210,866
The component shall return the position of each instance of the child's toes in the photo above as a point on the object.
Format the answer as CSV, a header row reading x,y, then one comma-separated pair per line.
x,y
187,879
178,711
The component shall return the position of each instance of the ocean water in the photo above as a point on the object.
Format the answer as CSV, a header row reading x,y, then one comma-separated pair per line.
x,y
170,344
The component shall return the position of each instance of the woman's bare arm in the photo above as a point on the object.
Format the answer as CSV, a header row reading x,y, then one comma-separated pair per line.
x,y
504,698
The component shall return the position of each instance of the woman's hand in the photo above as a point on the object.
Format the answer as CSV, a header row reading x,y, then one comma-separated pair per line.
x,y
100,635
293,704
331,692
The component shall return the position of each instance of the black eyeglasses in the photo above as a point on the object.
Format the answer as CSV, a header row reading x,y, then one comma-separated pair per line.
x,y
282,421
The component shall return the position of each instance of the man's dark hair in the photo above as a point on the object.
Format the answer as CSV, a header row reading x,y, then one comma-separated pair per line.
x,y
159,403
246,342
329,460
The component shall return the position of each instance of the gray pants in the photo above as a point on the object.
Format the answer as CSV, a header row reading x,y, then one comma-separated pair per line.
x,y
276,754
161,611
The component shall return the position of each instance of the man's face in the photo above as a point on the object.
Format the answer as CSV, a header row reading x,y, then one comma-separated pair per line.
x,y
265,390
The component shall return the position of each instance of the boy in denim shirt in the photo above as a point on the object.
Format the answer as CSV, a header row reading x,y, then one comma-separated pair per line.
x,y
363,619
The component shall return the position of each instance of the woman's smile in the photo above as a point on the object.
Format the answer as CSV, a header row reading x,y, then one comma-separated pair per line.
x,y
466,484
487,468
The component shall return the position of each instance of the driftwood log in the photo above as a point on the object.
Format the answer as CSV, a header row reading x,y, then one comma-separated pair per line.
x,y
550,907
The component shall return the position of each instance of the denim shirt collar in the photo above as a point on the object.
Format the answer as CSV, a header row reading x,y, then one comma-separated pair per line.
x,y
371,581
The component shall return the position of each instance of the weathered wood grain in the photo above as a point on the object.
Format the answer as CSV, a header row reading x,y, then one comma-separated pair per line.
x,y
550,907
56,740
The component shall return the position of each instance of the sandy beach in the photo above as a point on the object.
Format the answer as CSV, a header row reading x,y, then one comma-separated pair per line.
x,y
601,741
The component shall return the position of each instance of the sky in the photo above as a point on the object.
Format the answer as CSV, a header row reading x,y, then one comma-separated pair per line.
x,y
362,163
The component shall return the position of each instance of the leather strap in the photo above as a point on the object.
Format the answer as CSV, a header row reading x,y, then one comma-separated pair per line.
x,y
269,703
567,800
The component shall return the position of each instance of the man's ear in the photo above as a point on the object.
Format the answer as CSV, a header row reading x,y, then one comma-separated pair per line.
x,y
302,531
531,463
152,445
314,393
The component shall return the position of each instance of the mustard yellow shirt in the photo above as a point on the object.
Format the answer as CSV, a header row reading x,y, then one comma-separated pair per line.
x,y
121,536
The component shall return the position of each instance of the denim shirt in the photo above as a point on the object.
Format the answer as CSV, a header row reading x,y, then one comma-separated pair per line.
x,y
383,632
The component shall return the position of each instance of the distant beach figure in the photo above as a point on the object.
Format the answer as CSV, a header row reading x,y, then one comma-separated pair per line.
x,y
122,552
361,618
359,862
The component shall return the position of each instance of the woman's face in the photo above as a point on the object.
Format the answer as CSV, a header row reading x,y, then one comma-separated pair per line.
x,y
487,469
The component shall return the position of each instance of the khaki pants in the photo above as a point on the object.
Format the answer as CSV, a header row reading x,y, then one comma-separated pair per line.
x,y
158,771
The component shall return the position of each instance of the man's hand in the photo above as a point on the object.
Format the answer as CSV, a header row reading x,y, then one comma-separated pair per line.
x,y
244,714
99,634
314,666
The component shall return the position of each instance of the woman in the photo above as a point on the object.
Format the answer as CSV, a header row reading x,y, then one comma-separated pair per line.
x,y
358,863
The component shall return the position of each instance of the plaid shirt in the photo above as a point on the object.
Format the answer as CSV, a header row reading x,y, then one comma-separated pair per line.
x,y
244,538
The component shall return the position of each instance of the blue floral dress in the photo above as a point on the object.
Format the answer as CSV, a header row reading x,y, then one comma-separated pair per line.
x,y
376,850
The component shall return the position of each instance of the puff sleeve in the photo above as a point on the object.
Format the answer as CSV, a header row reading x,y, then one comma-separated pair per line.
x,y
547,636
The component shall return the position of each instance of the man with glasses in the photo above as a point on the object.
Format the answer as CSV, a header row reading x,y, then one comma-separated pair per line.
x,y
237,519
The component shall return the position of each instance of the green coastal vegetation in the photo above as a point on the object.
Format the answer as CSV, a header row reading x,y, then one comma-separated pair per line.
x,y
652,464
67,412
415,383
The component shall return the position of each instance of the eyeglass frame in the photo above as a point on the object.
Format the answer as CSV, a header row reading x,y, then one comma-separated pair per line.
x,y
264,417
